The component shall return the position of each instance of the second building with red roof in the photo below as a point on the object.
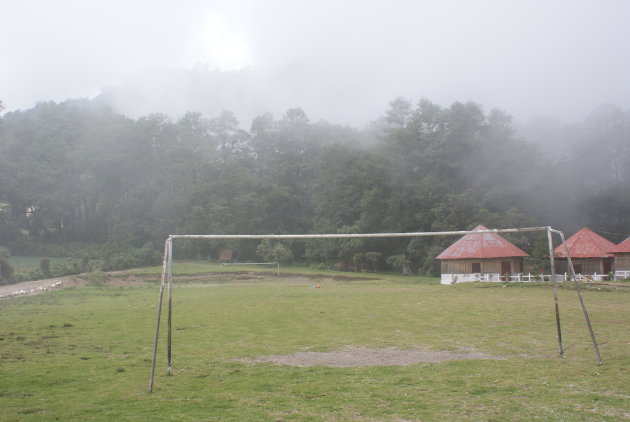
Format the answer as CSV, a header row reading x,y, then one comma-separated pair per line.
x,y
590,254
621,252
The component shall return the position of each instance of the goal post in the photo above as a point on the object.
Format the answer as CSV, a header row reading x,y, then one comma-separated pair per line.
x,y
167,272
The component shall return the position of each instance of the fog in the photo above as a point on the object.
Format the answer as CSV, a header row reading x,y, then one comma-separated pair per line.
x,y
340,61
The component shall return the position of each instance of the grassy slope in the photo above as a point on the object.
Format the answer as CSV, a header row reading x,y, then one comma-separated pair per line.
x,y
84,354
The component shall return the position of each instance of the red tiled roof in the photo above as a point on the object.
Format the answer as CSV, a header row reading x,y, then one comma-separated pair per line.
x,y
482,245
623,247
586,244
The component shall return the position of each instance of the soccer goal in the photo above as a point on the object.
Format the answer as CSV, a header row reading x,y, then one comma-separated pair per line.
x,y
167,273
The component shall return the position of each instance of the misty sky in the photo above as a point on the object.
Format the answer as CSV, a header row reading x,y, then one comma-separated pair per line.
x,y
343,60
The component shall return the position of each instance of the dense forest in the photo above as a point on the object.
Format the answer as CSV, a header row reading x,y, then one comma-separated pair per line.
x,y
77,178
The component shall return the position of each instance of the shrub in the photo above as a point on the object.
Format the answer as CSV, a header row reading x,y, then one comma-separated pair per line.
x,y
271,251
147,255
85,263
357,261
96,278
7,273
373,260
399,263
131,258
44,265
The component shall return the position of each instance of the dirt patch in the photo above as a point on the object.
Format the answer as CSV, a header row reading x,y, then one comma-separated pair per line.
x,y
29,288
333,277
127,279
355,356
252,276
240,275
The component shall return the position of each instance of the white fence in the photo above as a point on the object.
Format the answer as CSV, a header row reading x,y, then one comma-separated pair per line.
x,y
467,278
525,278
621,275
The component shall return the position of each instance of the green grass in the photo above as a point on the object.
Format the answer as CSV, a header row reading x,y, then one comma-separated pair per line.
x,y
84,353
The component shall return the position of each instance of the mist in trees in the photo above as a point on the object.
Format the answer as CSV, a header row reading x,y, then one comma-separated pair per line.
x,y
78,172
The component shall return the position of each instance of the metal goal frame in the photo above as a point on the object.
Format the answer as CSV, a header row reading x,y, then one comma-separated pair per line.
x,y
167,274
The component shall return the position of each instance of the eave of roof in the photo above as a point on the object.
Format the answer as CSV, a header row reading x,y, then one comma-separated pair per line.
x,y
623,247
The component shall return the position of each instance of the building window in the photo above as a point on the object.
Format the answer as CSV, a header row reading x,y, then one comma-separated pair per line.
x,y
476,267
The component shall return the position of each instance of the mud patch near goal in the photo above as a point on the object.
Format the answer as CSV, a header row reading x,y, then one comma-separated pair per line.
x,y
356,356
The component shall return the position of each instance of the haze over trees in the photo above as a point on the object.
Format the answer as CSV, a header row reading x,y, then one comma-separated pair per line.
x,y
78,172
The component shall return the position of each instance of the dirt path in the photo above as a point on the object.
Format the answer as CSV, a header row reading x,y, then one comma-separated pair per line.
x,y
354,356
27,288
116,278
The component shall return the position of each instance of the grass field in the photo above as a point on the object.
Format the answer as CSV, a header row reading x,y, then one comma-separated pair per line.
x,y
85,353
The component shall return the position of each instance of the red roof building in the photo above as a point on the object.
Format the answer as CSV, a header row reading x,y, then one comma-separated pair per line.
x,y
480,257
589,252
623,247
482,245
621,252
586,244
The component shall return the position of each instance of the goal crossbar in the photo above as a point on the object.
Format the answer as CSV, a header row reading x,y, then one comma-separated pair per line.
x,y
352,235
167,273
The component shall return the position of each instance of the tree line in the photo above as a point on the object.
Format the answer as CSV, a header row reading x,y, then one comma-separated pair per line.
x,y
77,173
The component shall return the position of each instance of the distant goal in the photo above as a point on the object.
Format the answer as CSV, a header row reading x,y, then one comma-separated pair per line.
x,y
275,265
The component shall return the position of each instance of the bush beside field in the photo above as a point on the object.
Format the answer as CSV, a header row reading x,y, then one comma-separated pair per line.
x,y
64,261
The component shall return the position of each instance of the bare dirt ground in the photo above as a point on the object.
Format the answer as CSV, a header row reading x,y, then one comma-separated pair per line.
x,y
38,286
123,278
28,288
355,356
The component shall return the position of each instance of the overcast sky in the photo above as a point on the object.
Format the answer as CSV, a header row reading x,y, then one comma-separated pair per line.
x,y
560,58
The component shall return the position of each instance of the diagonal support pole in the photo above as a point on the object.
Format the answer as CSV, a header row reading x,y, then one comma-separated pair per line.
x,y
579,293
